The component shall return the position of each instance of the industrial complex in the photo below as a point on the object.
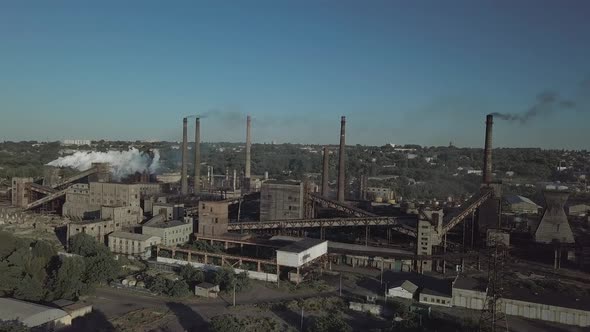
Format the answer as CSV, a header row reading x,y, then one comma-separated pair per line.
x,y
428,254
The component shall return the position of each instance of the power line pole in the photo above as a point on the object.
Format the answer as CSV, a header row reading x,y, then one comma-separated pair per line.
x,y
492,316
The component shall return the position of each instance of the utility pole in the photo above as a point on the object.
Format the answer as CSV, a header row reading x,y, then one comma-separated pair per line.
x,y
301,318
340,284
234,293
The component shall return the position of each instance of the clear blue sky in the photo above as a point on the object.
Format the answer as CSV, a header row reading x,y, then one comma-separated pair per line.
x,y
422,72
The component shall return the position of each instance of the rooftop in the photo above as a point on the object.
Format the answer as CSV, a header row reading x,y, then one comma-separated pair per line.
x,y
164,223
468,283
283,182
515,199
206,285
302,245
131,236
30,314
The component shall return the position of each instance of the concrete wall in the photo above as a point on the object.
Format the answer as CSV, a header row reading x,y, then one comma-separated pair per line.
x,y
470,299
436,300
281,201
374,309
546,312
251,274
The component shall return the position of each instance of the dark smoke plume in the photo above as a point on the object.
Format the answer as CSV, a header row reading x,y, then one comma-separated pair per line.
x,y
546,103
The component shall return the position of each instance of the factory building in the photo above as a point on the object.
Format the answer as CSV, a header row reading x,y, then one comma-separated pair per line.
x,y
170,211
213,218
172,232
19,191
578,210
84,200
520,205
132,244
379,194
98,229
126,216
281,200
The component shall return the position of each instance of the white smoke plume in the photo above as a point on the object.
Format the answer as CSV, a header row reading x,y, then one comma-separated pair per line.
x,y
122,162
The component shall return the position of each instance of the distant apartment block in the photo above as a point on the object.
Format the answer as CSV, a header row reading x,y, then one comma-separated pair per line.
x,y
76,142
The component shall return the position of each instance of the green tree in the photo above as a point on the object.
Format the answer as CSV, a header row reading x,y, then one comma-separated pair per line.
x,y
177,288
225,323
191,274
157,284
101,268
29,289
224,277
85,245
66,281
12,326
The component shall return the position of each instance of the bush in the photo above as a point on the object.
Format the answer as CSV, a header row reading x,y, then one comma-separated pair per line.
x,y
329,323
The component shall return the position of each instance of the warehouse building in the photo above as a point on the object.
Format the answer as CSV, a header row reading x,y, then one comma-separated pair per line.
x,y
402,288
33,315
300,254
521,205
281,200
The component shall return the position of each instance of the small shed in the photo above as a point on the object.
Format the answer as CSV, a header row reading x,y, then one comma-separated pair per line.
x,y
207,290
301,252
403,288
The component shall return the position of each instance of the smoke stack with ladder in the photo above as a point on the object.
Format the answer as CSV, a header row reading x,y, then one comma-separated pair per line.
x,y
197,184
248,144
341,166
183,179
487,158
325,170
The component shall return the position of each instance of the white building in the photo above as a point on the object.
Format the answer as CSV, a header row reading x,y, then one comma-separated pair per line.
x,y
132,244
404,289
76,142
430,296
172,232
302,252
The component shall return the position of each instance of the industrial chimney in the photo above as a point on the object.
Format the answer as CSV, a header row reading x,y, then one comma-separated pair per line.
x,y
341,180
325,170
197,185
183,179
487,157
248,144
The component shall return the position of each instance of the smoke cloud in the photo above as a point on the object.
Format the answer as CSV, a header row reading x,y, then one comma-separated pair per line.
x,y
122,162
546,103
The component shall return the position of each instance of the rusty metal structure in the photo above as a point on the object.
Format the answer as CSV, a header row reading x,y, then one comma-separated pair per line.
x,y
183,178
325,172
197,180
341,161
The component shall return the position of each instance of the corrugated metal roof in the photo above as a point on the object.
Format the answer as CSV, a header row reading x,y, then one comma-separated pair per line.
x,y
30,314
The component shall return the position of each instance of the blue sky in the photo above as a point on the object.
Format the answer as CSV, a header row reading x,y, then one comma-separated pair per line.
x,y
422,72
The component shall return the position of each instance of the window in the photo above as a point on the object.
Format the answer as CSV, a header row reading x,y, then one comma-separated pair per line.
x,y
437,300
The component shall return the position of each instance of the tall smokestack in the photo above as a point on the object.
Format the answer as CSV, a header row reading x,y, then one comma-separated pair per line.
x,y
487,157
234,179
341,180
325,170
197,184
248,143
183,180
